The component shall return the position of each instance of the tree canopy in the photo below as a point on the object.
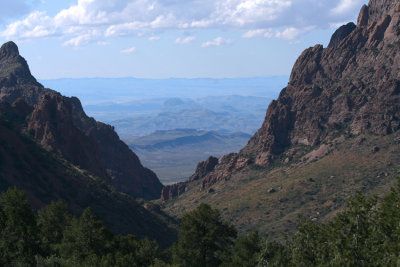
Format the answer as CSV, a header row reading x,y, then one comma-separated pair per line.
x,y
366,233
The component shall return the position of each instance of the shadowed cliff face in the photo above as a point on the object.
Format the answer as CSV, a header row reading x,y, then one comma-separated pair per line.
x,y
60,124
46,177
350,87
52,126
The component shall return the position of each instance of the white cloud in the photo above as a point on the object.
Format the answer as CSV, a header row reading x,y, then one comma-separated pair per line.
x,y
154,38
345,6
258,33
216,42
129,50
250,12
205,23
77,41
289,33
82,39
275,18
36,25
186,40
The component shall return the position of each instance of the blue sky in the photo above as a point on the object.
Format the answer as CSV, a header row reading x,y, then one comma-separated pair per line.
x,y
169,38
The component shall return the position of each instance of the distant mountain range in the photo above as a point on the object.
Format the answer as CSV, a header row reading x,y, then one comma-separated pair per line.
x,y
174,154
142,106
223,114
122,90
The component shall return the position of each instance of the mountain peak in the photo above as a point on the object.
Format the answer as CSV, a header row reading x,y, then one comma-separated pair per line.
x,y
9,50
14,72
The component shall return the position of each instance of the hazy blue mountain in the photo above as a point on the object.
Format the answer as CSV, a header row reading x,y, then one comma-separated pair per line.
x,y
174,154
219,113
142,106
100,90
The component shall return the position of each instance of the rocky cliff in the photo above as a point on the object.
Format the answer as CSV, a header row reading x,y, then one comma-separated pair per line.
x,y
51,124
45,177
352,86
60,124
349,88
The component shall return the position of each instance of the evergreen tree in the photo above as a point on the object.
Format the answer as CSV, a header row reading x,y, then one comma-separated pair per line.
x,y
246,251
203,238
128,251
19,242
52,221
86,238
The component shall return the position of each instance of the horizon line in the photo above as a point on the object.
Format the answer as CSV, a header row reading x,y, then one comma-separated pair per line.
x,y
168,78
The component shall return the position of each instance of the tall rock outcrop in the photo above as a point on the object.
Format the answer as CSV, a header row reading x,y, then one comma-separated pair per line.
x,y
60,124
350,87
16,80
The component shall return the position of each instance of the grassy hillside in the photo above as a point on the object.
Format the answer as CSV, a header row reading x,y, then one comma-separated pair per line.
x,y
315,183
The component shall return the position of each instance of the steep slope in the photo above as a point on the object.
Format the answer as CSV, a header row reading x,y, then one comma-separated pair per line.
x,y
59,123
352,86
45,176
333,130
52,126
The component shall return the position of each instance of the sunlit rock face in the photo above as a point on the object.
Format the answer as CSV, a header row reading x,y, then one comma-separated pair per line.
x,y
348,88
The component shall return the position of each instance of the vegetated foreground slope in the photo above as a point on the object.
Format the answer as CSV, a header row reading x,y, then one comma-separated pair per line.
x,y
59,123
333,130
270,199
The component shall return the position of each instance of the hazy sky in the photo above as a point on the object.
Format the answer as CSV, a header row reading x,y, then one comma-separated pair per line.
x,y
169,38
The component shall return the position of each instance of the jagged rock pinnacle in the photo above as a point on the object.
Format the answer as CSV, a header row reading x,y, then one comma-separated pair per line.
x,y
9,50
341,33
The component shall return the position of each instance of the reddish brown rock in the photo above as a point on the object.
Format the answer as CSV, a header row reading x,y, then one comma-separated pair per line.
x,y
9,50
121,164
170,192
60,123
228,164
363,17
21,107
51,124
350,87
16,80
379,8
204,167
341,34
